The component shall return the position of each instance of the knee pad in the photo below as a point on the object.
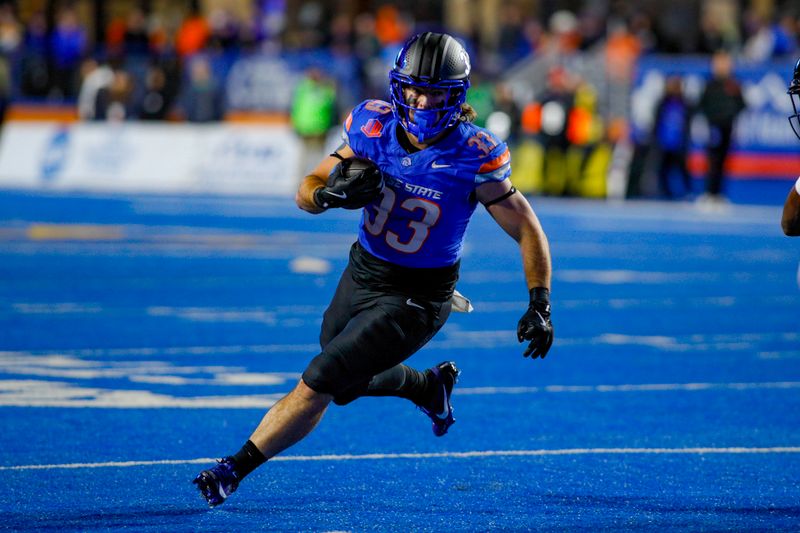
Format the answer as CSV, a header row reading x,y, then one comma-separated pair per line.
x,y
326,374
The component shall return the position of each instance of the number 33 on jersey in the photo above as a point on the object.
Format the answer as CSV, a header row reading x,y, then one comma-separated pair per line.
x,y
421,217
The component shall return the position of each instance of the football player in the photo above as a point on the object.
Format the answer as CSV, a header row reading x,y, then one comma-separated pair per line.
x,y
420,171
790,221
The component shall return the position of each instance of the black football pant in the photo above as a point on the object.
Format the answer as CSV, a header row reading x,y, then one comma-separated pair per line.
x,y
365,336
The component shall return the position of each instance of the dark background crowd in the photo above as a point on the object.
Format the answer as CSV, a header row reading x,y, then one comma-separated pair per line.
x,y
51,47
170,60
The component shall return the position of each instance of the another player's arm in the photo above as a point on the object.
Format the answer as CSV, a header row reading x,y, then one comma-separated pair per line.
x,y
318,178
514,214
790,221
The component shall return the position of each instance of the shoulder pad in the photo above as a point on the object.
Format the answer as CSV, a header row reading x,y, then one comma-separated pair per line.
x,y
492,157
368,118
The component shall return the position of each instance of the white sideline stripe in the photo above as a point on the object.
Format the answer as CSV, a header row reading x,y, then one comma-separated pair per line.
x,y
629,387
432,455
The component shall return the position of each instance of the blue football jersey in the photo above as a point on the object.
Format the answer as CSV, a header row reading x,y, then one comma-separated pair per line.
x,y
421,216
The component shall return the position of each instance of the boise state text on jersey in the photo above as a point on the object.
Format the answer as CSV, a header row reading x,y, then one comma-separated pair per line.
x,y
421,216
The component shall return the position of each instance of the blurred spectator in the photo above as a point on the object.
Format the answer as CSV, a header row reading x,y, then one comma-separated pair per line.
x,y
68,44
10,39
310,28
481,97
504,117
10,30
591,26
641,26
223,31
721,103
622,51
367,44
714,35
170,64
367,48
159,35
36,80
95,76
566,37
341,35
115,36
313,112
512,44
390,27
156,100
671,136
203,97
192,35
268,25
136,40
5,86
555,106
534,35
711,37
584,133
114,102
787,39
584,127
770,39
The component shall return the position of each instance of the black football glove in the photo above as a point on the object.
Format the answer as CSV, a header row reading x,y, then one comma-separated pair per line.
x,y
352,184
535,325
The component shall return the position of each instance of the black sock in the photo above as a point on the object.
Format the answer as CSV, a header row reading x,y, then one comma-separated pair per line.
x,y
402,381
248,459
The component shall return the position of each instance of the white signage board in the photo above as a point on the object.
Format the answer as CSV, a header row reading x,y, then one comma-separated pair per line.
x,y
150,158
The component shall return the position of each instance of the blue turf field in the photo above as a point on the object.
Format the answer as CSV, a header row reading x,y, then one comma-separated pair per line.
x,y
140,337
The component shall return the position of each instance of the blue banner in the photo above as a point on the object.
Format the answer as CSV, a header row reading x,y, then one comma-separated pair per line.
x,y
761,127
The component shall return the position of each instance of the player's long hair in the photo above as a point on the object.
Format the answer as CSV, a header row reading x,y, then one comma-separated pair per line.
x,y
468,114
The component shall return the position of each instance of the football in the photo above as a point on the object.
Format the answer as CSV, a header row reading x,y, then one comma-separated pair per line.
x,y
355,182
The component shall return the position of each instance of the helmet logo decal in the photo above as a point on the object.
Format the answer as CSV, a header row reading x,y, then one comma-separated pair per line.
x,y
373,128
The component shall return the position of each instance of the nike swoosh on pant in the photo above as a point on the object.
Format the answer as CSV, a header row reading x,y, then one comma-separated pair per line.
x,y
412,304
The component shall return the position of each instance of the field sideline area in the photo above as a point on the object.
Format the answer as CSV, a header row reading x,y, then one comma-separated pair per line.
x,y
143,336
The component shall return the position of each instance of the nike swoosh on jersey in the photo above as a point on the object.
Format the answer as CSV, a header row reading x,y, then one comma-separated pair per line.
x,y
342,195
437,165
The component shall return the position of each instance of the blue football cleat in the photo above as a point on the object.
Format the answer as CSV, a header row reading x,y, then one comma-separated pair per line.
x,y
439,409
216,484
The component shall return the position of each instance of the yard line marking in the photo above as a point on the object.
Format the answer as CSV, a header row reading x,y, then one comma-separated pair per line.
x,y
643,387
33,393
432,455
452,340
